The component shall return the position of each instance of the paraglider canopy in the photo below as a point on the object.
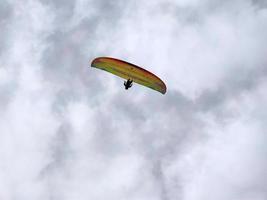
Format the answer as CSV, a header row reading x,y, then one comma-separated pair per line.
x,y
130,71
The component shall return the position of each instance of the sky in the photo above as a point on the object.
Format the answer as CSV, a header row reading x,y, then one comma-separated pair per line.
x,y
69,131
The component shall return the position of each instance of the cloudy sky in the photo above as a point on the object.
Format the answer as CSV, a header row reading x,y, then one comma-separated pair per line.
x,y
68,131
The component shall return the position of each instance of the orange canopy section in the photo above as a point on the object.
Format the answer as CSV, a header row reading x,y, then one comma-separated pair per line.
x,y
130,71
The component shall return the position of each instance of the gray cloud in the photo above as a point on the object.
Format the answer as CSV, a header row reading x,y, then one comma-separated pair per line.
x,y
260,3
6,13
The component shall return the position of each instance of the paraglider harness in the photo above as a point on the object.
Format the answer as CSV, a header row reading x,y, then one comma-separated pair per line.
x,y
128,84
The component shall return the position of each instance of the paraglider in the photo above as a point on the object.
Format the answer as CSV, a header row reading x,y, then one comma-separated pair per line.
x,y
128,84
130,72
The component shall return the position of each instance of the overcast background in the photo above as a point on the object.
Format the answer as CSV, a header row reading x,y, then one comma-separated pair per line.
x,y
68,131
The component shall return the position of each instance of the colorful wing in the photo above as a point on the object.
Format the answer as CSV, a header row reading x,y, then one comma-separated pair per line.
x,y
129,71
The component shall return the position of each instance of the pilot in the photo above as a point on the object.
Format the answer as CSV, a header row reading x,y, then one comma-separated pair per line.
x,y
128,84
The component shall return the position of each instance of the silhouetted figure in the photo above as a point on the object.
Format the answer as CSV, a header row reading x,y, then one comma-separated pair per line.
x,y
128,84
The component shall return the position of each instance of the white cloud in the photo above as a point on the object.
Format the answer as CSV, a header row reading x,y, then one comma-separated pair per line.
x,y
71,132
